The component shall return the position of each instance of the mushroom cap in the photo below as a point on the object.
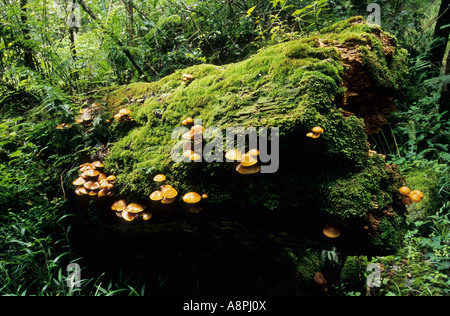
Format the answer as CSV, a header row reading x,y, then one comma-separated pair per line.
x,y
124,112
146,216
189,120
104,183
128,216
87,184
98,164
233,155
103,192
86,167
310,134
195,157
78,181
315,135
111,178
248,160
184,123
405,190
317,129
197,129
94,186
204,196
135,208
168,191
81,191
414,197
159,178
247,170
418,193
188,153
90,173
253,152
188,135
331,231
63,126
188,77
156,196
192,197
119,205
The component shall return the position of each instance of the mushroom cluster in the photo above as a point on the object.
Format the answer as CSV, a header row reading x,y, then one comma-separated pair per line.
x,y
167,193
187,79
87,114
131,211
187,121
315,132
63,126
410,196
93,182
194,136
247,163
124,115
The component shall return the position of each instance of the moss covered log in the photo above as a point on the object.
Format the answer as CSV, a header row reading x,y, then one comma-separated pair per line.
x,y
344,80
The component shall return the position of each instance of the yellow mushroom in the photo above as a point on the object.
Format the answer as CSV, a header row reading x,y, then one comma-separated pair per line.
x,y
126,215
192,197
79,181
248,160
135,208
317,129
119,205
233,155
146,216
159,178
156,196
404,190
331,231
195,157
247,170
253,152
168,191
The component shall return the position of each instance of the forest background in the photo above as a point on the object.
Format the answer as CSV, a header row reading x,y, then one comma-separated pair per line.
x,y
54,54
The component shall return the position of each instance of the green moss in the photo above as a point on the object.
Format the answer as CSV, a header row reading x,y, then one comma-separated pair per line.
x,y
424,179
354,274
293,86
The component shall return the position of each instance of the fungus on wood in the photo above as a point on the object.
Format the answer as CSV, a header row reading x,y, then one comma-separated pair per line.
x,y
343,81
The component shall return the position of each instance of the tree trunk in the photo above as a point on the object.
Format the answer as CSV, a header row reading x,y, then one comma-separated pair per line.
x,y
444,104
28,57
441,34
125,50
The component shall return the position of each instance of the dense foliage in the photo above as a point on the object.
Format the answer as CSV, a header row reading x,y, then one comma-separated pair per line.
x,y
49,70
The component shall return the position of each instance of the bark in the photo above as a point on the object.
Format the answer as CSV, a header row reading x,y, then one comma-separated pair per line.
x,y
444,104
441,34
28,53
